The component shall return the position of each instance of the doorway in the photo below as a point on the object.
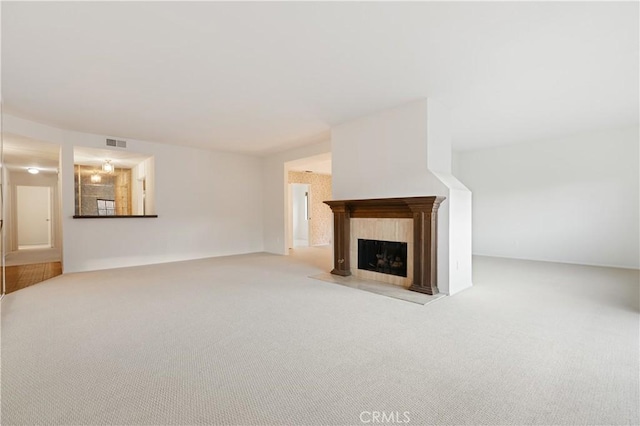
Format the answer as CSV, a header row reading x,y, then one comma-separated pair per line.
x,y
32,228
308,220
300,194
33,205
35,256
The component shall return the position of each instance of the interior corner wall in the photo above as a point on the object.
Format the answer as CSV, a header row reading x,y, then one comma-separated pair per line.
x,y
208,204
572,200
274,188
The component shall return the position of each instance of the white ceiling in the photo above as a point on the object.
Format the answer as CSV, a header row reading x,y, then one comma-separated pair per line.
x,y
320,164
20,153
258,77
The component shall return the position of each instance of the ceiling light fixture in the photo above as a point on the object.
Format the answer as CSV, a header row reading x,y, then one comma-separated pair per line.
x,y
107,167
33,170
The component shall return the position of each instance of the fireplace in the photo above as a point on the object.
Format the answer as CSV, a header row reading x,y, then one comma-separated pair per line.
x,y
383,257
421,213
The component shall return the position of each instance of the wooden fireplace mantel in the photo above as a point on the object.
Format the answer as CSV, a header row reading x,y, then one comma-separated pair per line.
x,y
423,211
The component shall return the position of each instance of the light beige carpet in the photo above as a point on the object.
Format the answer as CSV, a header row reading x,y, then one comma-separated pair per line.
x,y
251,340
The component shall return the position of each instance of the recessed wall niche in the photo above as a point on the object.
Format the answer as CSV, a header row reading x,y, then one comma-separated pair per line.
x,y
113,184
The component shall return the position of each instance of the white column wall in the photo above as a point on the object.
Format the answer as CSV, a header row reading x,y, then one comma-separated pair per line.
x,y
387,155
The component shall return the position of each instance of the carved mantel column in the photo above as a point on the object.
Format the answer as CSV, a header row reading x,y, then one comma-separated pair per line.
x,y
425,250
423,211
341,239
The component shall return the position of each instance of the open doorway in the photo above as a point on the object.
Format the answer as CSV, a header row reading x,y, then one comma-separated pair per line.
x,y
32,248
33,205
309,220
300,193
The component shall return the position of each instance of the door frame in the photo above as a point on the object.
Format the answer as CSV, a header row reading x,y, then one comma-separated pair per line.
x,y
291,238
11,208
49,191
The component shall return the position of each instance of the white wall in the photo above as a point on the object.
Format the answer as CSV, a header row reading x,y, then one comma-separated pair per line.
x,y
406,151
208,205
274,188
573,200
456,210
383,155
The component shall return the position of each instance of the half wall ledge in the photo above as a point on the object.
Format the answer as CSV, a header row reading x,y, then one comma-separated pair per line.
x,y
423,211
113,216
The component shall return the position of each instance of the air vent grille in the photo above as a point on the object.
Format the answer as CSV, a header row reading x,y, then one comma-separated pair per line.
x,y
116,143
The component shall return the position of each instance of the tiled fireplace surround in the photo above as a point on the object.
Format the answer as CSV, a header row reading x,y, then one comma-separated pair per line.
x,y
412,220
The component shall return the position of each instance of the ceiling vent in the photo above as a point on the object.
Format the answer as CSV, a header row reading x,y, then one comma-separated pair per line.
x,y
119,144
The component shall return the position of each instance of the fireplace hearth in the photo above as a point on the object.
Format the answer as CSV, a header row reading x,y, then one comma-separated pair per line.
x,y
384,257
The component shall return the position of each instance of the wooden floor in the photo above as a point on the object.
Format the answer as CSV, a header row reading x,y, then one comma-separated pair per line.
x,y
19,277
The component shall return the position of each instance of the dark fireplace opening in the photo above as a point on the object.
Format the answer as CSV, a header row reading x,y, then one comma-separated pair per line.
x,y
385,257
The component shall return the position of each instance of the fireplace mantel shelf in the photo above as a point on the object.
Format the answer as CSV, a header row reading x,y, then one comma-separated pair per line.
x,y
423,211
386,207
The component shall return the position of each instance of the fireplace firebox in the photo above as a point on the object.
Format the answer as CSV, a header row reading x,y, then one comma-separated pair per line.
x,y
384,257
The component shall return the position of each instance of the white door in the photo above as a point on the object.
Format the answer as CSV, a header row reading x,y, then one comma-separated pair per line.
x,y
34,216
300,214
